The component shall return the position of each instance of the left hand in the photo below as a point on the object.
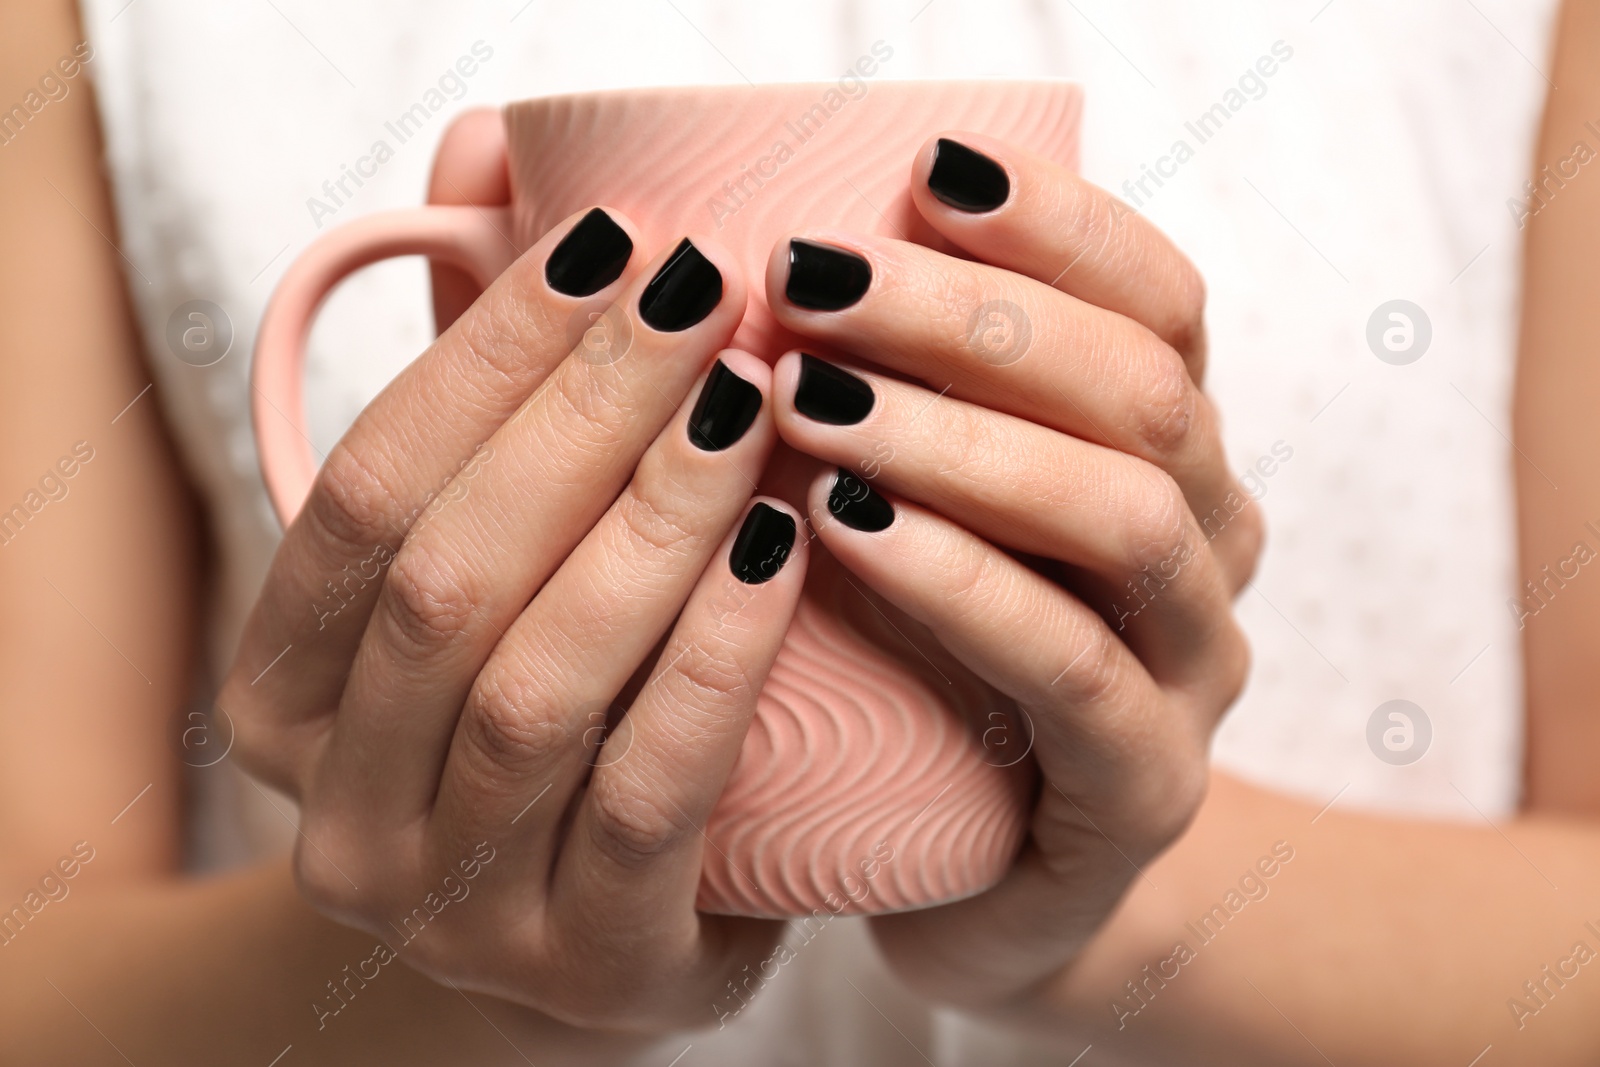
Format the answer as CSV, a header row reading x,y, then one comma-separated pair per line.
x,y
1059,513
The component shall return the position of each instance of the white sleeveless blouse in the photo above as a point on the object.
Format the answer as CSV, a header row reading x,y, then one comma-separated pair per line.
x,y
1319,159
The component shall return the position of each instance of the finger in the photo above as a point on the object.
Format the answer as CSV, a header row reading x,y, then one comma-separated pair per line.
x,y
1015,209
633,854
528,733
400,455
1033,490
1004,341
471,169
470,567
1121,756
1102,725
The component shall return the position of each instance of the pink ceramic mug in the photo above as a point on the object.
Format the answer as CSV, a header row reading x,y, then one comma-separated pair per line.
x,y
877,775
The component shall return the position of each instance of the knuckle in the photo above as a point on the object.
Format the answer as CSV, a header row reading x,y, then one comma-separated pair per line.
x,y
1093,673
1165,415
654,518
351,503
325,883
629,828
710,676
425,598
494,340
1170,812
1234,671
591,410
1187,326
1159,535
504,728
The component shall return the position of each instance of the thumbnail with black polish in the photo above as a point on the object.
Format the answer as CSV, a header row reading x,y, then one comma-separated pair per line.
x,y
853,502
590,257
825,278
727,406
831,394
967,179
763,545
684,291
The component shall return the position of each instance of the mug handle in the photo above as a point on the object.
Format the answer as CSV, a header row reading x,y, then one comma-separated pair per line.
x,y
474,239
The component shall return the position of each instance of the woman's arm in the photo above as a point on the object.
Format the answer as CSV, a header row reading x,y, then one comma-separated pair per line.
x,y
1557,397
99,575
1388,941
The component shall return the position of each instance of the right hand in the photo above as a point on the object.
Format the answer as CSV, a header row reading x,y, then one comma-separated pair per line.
x,y
494,552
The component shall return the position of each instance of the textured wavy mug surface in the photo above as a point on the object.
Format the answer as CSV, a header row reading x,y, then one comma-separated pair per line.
x,y
878,774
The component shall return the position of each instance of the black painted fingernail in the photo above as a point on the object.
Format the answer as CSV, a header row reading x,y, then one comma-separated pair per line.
x,y
853,502
967,179
727,406
763,545
590,257
825,278
683,292
831,394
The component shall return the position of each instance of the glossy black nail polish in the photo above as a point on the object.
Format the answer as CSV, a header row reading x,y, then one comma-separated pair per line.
x,y
831,394
684,291
727,406
966,179
763,545
825,278
853,502
590,257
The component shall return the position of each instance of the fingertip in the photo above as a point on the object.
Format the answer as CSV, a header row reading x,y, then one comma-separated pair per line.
x,y
769,544
694,280
589,251
843,502
750,367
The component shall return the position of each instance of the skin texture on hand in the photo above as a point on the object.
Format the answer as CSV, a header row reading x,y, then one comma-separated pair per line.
x,y
1382,941
1040,486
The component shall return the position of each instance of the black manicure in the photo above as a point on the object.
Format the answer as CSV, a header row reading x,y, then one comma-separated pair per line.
x,y
825,278
831,394
853,502
967,179
763,545
683,291
727,406
590,257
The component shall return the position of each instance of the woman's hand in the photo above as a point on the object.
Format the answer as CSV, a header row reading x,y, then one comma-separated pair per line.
x,y
1038,480
524,524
